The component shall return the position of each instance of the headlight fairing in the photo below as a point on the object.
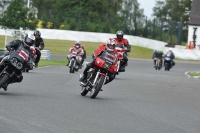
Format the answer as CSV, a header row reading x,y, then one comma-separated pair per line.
x,y
15,62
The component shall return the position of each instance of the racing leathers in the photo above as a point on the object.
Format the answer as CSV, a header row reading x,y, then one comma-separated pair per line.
x,y
97,53
39,45
123,43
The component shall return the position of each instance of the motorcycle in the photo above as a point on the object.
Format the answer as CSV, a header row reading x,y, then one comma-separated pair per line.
x,y
167,63
120,58
158,64
98,75
31,64
13,64
73,64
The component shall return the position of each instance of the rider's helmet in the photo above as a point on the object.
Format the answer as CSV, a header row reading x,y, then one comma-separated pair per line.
x,y
110,44
37,33
119,35
77,44
29,40
170,49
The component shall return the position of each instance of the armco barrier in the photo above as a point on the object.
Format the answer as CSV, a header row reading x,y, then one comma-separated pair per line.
x,y
45,54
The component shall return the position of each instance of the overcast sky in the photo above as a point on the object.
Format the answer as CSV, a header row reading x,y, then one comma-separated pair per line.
x,y
147,5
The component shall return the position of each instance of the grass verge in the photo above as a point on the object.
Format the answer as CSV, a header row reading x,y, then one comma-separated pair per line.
x,y
194,74
43,63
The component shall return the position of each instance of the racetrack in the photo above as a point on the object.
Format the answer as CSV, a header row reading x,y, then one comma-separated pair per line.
x,y
141,100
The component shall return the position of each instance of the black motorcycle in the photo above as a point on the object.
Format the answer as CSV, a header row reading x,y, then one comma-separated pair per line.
x,y
167,63
158,64
12,65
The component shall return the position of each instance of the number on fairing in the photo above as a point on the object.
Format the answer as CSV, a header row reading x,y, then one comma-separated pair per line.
x,y
23,55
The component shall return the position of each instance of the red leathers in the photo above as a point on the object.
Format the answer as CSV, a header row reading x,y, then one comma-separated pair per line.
x,y
79,51
110,47
101,48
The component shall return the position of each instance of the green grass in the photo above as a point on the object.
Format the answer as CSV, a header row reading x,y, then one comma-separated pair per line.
x,y
61,47
194,73
52,63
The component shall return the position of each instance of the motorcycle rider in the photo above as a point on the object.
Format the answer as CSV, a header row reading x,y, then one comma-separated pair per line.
x,y
123,43
110,46
14,45
157,54
77,47
39,45
171,55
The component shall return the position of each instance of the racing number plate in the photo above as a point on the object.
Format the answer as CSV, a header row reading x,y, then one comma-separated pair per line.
x,y
23,55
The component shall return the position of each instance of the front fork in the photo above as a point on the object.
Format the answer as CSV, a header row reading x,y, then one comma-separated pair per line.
x,y
96,77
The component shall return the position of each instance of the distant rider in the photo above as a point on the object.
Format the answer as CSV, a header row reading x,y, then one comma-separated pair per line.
x,y
39,44
123,43
14,45
171,55
110,46
159,55
77,48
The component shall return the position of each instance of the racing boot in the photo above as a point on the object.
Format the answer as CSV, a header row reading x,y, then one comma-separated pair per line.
x,y
5,86
82,78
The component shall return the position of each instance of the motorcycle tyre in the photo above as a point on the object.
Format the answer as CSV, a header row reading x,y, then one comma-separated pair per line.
x,y
71,68
4,79
94,92
83,91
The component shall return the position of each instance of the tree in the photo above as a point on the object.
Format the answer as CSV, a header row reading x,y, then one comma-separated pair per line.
x,y
90,15
17,16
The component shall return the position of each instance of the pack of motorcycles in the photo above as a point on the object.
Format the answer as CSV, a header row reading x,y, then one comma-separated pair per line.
x,y
167,63
19,61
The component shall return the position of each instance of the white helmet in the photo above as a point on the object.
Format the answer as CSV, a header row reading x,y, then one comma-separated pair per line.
x,y
110,44
29,39
77,44
170,49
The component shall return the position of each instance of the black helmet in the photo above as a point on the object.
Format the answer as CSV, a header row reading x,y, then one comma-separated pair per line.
x,y
29,39
119,35
37,33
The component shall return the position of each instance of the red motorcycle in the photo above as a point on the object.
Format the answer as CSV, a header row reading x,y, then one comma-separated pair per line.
x,y
98,75
120,58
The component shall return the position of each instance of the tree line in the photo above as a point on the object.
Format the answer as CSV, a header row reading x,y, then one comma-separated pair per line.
x,y
98,16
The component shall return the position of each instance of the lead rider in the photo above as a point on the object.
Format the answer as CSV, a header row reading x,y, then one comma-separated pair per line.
x,y
110,47
14,45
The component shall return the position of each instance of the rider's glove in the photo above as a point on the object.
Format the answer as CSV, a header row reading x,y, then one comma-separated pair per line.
x,y
93,57
8,48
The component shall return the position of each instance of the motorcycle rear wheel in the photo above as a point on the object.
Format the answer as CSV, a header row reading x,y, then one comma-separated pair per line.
x,y
4,79
95,91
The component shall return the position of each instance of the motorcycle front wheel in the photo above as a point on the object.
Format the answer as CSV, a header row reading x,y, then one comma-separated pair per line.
x,y
4,79
71,67
84,91
95,91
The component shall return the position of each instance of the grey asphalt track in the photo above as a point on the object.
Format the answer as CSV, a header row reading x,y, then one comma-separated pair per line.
x,y
141,100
